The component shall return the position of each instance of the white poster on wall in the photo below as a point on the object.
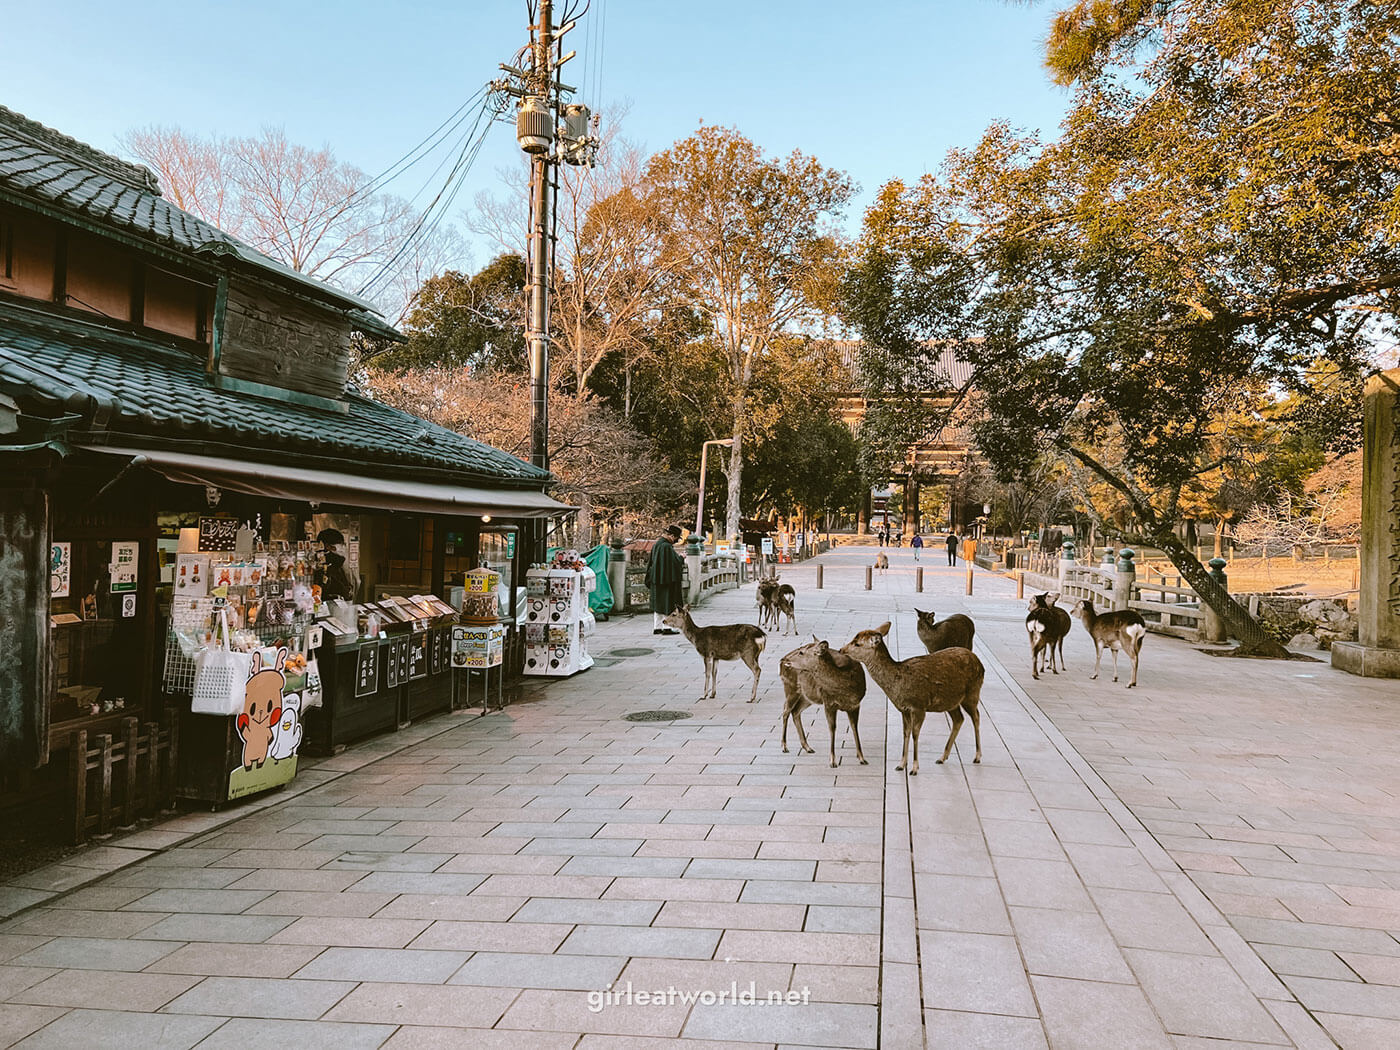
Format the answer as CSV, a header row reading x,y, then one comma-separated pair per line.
x,y
60,569
124,566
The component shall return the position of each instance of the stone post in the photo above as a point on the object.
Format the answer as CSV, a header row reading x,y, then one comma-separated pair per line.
x,y
617,574
694,551
1124,578
1066,565
1376,653
1212,627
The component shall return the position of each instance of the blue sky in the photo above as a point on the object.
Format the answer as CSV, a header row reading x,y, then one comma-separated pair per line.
x,y
877,89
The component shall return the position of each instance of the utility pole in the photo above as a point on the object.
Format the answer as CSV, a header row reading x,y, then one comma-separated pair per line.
x,y
548,130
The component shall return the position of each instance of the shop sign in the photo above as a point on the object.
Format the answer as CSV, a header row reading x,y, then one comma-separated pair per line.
x,y
510,545
218,534
124,566
367,669
482,646
128,606
767,545
60,569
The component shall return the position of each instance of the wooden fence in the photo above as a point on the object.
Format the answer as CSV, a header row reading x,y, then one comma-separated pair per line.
x,y
118,779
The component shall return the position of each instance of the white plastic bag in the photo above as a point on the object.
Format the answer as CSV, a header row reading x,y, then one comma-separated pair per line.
x,y
311,692
220,676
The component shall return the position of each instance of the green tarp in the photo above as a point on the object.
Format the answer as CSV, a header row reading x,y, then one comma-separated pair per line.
x,y
601,600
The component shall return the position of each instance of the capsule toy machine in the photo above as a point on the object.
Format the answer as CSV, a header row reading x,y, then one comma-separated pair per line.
x,y
554,615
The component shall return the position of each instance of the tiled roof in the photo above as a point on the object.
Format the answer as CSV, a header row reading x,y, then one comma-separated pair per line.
x,y
954,370
48,166
136,389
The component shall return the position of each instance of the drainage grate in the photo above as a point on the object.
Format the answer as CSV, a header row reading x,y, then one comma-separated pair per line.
x,y
656,716
630,652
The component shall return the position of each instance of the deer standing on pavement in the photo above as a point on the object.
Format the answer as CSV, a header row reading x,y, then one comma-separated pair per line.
x,y
1121,629
1047,625
764,595
953,633
882,562
817,674
734,641
784,603
946,681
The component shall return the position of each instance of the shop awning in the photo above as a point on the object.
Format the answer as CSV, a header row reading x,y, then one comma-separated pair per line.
x,y
352,490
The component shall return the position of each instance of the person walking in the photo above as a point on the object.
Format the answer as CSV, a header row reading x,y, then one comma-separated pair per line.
x,y
664,569
952,548
918,544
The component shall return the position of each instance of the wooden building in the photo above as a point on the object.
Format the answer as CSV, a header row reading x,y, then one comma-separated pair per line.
x,y
154,371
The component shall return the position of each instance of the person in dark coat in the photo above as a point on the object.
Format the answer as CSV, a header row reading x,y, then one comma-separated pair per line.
x,y
918,544
664,569
952,548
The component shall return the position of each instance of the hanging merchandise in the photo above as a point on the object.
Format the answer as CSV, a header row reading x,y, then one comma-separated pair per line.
x,y
220,673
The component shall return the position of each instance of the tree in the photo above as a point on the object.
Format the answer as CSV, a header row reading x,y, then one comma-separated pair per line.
x,y
474,323
301,206
755,252
1213,221
607,466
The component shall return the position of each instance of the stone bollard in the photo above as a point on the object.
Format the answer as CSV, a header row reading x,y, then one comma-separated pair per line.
x,y
869,573
1067,565
694,551
1020,583
819,576
919,580
1212,627
1124,578
617,575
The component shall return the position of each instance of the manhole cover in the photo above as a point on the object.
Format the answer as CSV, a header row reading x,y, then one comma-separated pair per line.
x,y
631,652
656,716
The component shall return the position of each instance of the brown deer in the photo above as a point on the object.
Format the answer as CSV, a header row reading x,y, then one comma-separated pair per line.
x,y
1121,629
734,641
953,633
785,604
882,562
946,681
1047,625
817,674
764,595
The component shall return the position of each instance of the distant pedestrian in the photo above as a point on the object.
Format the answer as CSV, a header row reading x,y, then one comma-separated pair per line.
x,y
899,538
664,569
880,535
918,544
952,548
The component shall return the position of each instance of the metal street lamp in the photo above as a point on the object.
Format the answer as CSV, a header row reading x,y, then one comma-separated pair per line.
x,y
700,506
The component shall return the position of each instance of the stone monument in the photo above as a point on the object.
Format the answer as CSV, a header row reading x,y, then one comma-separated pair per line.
x,y
1376,653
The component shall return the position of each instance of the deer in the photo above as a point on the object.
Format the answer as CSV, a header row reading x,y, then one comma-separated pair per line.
x,y
1048,625
1121,629
784,603
882,562
817,674
734,641
953,633
764,594
949,680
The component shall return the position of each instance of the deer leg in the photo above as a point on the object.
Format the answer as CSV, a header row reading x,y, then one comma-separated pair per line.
x,y
708,689
756,672
957,717
831,725
1098,655
970,706
1135,652
1035,656
854,716
1115,661
916,722
904,758
796,711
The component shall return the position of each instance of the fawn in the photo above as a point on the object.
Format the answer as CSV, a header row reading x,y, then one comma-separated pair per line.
x,y
817,674
953,633
1047,625
1121,629
946,681
735,641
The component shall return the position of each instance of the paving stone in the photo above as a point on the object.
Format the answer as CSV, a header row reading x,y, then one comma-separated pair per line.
x,y
241,1033
222,959
472,936
263,997
423,1037
17,1021
118,1030
1089,1015
517,970
1150,920
961,903
1195,995
94,953
1362,1033
663,942
1068,944
569,1011
351,933
839,983
820,1024
957,1030
60,922
700,914
106,989
974,972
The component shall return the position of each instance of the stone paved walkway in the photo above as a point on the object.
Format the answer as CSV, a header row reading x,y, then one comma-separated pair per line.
x,y
1210,860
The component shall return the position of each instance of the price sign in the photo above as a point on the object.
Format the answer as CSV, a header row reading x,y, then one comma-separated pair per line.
x,y
218,534
767,544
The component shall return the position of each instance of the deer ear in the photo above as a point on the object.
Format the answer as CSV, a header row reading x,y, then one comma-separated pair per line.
x,y
884,628
1053,597
822,647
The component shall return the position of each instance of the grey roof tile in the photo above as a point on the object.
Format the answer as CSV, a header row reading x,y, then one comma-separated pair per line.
x,y
164,392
